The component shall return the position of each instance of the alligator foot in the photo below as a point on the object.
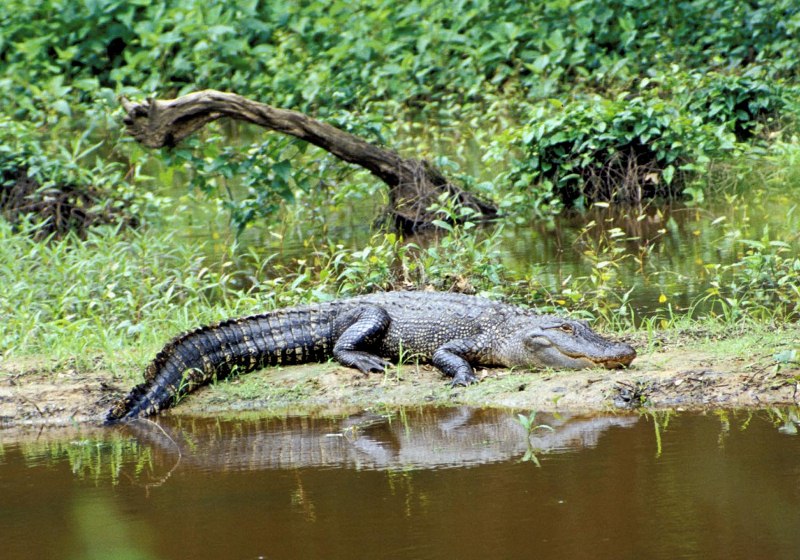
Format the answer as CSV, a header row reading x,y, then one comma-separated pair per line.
x,y
463,379
363,361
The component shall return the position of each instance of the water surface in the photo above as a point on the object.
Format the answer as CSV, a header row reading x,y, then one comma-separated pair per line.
x,y
428,483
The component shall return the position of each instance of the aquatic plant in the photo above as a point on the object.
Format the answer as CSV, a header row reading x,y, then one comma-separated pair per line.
x,y
529,424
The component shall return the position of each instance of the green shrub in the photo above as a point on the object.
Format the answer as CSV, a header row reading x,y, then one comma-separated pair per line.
x,y
746,104
67,187
313,54
764,283
628,148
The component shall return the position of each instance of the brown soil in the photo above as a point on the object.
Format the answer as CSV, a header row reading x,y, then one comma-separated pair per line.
x,y
678,377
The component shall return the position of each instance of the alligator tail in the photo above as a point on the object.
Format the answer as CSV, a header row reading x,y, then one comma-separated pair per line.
x,y
214,352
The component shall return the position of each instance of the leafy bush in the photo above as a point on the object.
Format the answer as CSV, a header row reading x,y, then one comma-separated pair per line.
x,y
628,148
764,283
262,172
317,53
743,103
59,185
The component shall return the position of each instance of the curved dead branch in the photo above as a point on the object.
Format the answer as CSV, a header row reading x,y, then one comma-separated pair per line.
x,y
414,184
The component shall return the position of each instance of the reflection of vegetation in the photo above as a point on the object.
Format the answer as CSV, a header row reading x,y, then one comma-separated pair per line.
x,y
104,532
786,419
99,460
401,482
660,424
302,501
724,427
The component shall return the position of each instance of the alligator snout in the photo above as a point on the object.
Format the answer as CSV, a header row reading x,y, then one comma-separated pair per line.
x,y
622,359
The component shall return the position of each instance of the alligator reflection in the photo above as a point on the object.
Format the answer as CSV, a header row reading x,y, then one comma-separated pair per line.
x,y
422,439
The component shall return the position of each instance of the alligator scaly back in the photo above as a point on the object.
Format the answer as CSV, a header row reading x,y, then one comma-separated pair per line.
x,y
454,332
235,346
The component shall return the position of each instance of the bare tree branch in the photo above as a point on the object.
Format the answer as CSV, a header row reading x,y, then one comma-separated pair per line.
x,y
413,184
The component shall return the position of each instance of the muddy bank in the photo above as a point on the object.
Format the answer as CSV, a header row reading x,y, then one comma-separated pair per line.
x,y
678,375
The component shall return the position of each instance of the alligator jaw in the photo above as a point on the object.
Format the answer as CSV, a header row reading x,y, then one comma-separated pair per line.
x,y
613,363
616,362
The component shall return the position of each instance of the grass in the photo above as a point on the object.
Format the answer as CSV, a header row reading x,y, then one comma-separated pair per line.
x,y
81,299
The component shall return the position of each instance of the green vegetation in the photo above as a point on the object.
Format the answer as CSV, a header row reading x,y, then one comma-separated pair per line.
x,y
529,425
106,247
636,146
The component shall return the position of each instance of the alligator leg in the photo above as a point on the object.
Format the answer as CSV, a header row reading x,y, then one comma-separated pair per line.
x,y
365,326
452,358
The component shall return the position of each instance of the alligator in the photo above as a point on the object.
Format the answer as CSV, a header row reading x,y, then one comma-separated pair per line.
x,y
454,332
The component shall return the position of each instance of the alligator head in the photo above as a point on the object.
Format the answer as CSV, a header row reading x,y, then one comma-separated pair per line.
x,y
554,342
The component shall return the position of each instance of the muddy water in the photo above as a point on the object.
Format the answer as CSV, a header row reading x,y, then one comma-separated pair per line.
x,y
431,483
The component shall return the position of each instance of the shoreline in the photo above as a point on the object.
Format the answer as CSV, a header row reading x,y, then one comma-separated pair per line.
x,y
733,372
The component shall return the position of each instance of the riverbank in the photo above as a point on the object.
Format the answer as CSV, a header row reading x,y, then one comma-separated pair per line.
x,y
686,369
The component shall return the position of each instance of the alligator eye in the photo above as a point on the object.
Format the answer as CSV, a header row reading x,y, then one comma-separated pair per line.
x,y
566,328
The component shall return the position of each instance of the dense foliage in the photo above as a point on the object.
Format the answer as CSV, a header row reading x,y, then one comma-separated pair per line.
x,y
59,184
642,143
600,86
315,53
